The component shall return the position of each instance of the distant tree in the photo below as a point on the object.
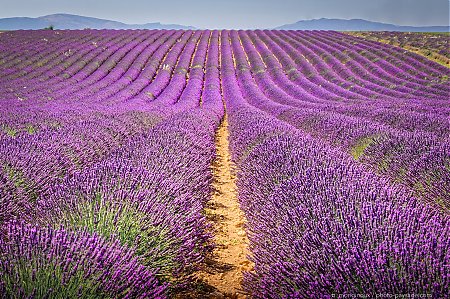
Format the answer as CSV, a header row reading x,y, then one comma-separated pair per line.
x,y
51,27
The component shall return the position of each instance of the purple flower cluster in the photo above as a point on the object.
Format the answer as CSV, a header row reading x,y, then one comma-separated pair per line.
x,y
433,42
319,222
57,263
121,151
390,141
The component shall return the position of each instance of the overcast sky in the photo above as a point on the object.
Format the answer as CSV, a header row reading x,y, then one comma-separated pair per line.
x,y
237,13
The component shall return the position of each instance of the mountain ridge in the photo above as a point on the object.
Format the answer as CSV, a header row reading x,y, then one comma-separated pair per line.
x,y
356,25
70,21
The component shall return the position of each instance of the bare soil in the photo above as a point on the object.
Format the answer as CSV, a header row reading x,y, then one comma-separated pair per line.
x,y
222,274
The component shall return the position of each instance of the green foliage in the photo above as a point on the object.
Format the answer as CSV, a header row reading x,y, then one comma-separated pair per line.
x,y
30,129
123,220
15,175
383,165
43,278
10,131
20,181
358,149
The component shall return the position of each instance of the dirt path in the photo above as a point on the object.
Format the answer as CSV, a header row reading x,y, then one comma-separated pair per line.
x,y
224,271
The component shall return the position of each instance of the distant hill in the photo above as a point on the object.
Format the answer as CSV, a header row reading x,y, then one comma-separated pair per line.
x,y
357,25
67,21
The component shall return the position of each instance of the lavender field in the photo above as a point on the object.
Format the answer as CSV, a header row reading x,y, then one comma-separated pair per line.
x,y
340,149
435,46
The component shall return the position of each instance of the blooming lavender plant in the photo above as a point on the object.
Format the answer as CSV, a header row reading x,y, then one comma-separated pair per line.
x,y
56,263
320,224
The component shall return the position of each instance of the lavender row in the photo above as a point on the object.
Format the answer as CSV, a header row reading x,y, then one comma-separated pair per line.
x,y
32,163
374,69
58,263
96,76
436,41
282,66
412,66
69,156
319,224
384,112
69,55
97,65
108,171
136,195
324,47
393,152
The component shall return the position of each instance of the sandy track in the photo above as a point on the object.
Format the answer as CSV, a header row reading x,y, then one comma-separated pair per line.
x,y
222,273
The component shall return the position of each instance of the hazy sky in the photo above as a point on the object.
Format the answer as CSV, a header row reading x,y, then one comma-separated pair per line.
x,y
237,13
